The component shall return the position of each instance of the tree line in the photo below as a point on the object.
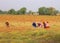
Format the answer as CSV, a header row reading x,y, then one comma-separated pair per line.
x,y
41,11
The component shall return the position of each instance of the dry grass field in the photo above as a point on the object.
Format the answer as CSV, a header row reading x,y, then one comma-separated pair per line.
x,y
25,21
22,31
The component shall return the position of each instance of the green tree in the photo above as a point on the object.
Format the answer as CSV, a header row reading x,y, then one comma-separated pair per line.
x,y
11,11
52,11
1,12
22,11
47,11
42,10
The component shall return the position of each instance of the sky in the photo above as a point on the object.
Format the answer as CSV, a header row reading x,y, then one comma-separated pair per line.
x,y
29,4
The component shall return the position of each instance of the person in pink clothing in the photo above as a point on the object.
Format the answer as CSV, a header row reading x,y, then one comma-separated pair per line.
x,y
46,25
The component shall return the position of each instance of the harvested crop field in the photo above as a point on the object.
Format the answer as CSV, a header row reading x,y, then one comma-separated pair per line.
x,y
21,30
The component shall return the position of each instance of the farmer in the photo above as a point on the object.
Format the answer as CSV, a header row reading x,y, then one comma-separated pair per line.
x,y
39,24
34,24
46,25
7,24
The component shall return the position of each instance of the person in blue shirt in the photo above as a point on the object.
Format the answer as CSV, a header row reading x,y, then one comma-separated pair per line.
x,y
34,24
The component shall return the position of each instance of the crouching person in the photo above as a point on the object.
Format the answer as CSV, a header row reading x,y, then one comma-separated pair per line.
x,y
7,24
46,25
34,24
40,25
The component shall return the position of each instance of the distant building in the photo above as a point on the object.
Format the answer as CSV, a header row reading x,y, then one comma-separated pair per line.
x,y
58,14
35,13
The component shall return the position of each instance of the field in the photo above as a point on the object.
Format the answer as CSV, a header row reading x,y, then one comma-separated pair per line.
x,y
22,31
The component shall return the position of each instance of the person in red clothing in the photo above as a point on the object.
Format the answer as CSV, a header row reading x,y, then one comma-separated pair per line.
x,y
39,24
